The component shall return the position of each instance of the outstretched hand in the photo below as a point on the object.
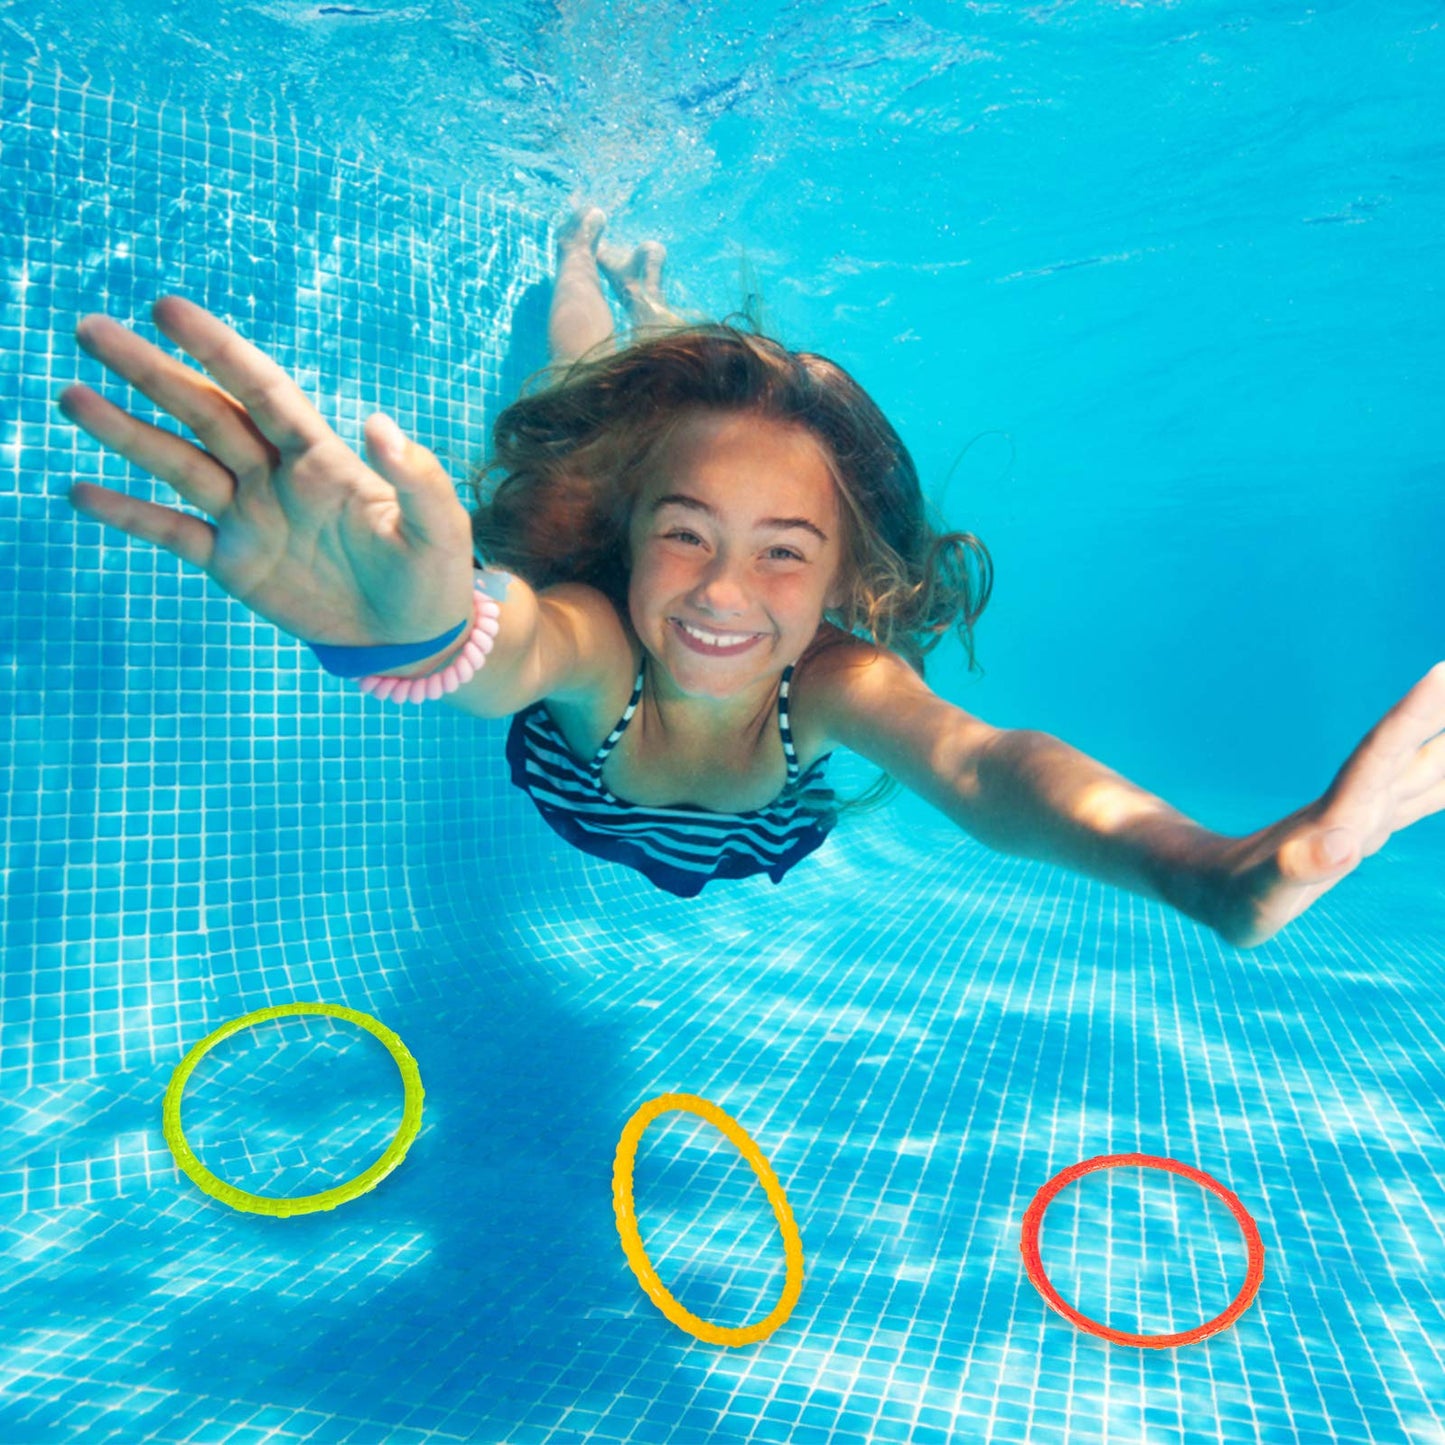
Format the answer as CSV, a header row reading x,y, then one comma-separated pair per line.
x,y
1395,777
301,530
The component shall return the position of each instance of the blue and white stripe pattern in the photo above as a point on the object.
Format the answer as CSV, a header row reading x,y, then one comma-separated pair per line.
x,y
680,848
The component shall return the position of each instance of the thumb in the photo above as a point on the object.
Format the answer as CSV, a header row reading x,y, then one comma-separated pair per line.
x,y
1309,857
423,489
1334,846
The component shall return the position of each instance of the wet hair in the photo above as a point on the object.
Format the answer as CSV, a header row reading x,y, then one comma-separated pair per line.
x,y
571,456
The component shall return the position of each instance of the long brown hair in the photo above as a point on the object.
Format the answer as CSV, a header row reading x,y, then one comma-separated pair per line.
x,y
569,459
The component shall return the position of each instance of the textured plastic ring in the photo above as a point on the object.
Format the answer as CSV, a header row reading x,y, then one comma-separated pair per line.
x,y
632,1246
1029,1244
217,1188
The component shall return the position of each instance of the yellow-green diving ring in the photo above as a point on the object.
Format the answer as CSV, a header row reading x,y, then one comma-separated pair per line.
x,y
647,1277
217,1188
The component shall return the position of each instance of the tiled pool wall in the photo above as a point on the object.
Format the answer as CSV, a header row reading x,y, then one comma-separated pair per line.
x,y
194,807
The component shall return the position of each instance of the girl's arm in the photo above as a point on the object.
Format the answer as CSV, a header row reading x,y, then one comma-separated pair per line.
x,y
1017,791
1027,793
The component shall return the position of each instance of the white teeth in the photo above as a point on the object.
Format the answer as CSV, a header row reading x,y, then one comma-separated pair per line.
x,y
712,639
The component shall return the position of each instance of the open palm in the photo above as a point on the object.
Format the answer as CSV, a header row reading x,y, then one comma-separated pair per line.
x,y
300,529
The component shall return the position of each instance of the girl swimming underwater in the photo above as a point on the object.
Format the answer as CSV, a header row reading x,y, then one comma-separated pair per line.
x,y
708,566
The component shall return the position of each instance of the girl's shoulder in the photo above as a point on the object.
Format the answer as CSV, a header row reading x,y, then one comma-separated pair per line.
x,y
868,699
824,679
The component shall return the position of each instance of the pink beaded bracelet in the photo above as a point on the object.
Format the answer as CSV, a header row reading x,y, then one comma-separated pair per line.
x,y
486,619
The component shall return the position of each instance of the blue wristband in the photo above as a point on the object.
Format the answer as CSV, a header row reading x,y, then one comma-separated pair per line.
x,y
364,661
367,661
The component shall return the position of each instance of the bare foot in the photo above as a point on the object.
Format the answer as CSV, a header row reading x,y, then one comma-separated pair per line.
x,y
636,277
581,229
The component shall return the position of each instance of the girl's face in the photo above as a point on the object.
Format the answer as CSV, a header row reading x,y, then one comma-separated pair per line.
x,y
737,536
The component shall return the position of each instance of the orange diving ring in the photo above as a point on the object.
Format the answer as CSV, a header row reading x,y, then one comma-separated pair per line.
x,y
647,1277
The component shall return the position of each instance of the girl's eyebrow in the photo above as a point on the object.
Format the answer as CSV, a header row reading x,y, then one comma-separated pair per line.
x,y
779,524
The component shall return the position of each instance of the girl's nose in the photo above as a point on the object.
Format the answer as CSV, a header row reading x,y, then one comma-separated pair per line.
x,y
720,590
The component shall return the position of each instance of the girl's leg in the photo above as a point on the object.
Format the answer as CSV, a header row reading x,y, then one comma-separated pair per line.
x,y
580,321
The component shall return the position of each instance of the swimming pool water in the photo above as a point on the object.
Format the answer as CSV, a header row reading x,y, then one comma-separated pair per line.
x,y
917,1032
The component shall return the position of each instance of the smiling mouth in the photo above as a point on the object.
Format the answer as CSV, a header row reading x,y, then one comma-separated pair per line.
x,y
703,640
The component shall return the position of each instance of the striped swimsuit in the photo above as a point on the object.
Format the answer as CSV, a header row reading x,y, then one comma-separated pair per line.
x,y
679,847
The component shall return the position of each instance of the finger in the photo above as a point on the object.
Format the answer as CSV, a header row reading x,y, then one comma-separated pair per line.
x,y
423,489
1422,805
1377,761
1419,715
279,407
196,475
217,419
188,538
1426,769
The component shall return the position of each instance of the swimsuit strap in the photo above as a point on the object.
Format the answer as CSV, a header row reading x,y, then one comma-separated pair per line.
x,y
610,741
783,726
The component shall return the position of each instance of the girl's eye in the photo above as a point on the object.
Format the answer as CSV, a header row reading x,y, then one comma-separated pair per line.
x,y
787,552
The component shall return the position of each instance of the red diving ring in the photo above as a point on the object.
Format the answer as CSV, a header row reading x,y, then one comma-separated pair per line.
x,y
1029,1245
